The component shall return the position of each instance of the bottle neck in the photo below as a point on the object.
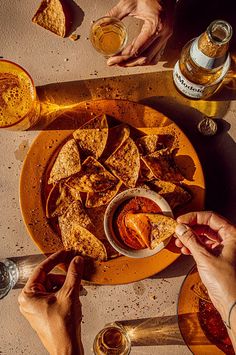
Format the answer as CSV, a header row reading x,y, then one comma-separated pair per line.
x,y
214,42
210,48
202,58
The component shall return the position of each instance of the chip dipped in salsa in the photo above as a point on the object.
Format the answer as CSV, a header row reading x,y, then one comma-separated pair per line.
x,y
133,205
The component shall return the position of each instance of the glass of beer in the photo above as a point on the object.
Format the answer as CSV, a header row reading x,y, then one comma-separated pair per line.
x,y
19,107
108,36
113,339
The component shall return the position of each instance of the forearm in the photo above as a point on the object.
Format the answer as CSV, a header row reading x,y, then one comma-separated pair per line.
x,y
64,341
71,348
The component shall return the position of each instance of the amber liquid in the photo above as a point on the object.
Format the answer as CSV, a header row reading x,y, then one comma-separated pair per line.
x,y
111,341
194,73
17,97
108,36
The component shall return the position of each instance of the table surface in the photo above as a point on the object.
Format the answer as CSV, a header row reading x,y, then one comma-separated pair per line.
x,y
68,72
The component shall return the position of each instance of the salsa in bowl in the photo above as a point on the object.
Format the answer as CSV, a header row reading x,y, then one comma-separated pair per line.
x,y
126,209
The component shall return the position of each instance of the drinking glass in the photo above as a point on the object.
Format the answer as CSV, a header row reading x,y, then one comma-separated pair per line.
x,y
108,35
112,340
15,271
19,107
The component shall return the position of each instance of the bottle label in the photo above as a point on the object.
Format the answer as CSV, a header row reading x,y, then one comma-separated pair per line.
x,y
193,90
202,60
185,86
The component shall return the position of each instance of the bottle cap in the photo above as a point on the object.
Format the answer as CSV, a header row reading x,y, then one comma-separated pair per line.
x,y
207,127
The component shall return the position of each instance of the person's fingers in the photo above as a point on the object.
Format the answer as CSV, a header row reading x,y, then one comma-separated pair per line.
x,y
213,220
117,59
119,11
40,272
151,55
204,230
54,282
73,276
178,243
190,241
216,222
185,251
148,33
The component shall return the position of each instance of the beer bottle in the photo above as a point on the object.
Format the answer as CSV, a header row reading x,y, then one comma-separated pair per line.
x,y
204,62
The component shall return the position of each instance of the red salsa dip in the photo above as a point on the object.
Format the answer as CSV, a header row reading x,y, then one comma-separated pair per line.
x,y
133,205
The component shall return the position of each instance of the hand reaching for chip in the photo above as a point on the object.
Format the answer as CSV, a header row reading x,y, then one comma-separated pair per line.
x,y
51,304
148,46
213,246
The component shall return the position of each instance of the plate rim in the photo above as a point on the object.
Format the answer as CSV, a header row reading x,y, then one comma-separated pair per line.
x,y
195,348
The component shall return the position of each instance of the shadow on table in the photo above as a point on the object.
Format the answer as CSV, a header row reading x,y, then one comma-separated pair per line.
x,y
179,268
60,100
77,14
165,330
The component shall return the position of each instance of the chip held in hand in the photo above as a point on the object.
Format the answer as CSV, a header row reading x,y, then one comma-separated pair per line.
x,y
151,228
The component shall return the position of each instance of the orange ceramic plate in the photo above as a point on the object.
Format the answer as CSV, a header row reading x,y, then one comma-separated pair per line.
x,y
188,309
122,269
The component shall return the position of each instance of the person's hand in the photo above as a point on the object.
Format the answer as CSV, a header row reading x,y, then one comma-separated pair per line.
x,y
213,246
51,304
148,46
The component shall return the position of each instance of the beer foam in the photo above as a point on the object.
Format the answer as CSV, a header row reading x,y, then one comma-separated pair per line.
x,y
17,96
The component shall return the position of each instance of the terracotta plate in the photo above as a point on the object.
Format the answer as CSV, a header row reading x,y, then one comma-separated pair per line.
x,y
39,159
188,308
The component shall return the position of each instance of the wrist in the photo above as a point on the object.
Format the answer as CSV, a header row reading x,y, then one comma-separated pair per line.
x,y
67,349
230,320
225,309
69,346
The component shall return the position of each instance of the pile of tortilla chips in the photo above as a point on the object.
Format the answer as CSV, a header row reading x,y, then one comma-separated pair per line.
x,y
93,166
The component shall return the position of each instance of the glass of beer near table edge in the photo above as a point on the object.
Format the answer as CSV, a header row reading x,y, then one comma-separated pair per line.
x,y
20,106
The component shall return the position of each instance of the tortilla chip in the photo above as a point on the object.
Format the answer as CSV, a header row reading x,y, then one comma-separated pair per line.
x,y
149,144
60,198
116,137
75,215
162,165
85,243
67,162
145,173
92,136
163,227
53,16
97,219
125,163
160,228
92,178
175,195
97,199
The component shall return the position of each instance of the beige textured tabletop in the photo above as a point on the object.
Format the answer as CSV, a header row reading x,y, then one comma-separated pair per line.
x,y
65,71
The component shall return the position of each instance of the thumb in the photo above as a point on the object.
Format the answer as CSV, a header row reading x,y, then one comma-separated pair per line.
x,y
190,241
74,275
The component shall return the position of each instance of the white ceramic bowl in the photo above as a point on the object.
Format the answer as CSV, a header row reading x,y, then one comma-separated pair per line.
x,y
108,221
